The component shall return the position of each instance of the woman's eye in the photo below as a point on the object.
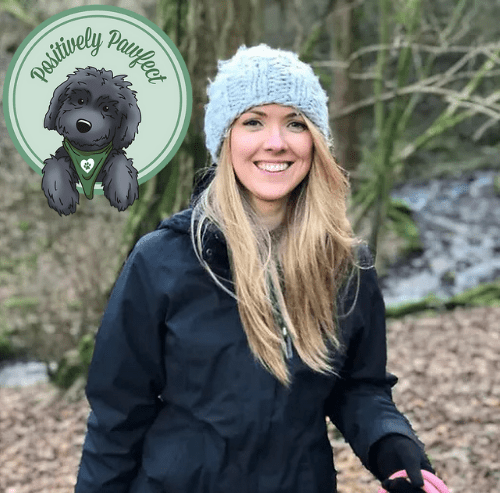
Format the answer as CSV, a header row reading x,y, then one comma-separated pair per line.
x,y
105,108
251,123
298,125
81,101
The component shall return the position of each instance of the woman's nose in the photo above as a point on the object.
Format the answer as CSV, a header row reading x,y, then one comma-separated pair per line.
x,y
275,140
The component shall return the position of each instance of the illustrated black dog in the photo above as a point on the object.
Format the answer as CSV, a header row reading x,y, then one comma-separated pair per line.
x,y
93,111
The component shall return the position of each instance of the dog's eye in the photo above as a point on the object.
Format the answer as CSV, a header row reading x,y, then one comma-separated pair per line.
x,y
81,101
105,108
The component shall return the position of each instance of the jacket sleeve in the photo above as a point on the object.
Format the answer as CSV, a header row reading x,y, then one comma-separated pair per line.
x,y
360,404
125,377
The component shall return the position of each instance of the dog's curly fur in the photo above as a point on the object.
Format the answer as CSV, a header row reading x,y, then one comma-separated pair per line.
x,y
110,112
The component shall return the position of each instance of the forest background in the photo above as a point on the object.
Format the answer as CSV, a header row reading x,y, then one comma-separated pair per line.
x,y
413,88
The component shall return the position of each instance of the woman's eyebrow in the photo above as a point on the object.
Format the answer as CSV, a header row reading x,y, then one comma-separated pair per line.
x,y
263,113
257,112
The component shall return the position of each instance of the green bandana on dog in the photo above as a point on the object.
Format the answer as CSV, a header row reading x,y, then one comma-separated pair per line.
x,y
87,164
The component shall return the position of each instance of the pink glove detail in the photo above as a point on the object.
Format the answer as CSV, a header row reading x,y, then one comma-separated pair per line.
x,y
432,484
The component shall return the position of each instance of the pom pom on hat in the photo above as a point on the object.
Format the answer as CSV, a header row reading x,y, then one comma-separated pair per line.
x,y
256,76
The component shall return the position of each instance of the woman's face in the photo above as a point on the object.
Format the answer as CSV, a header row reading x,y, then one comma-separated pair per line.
x,y
271,152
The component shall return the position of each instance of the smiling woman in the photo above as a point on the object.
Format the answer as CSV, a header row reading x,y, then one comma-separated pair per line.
x,y
271,152
244,321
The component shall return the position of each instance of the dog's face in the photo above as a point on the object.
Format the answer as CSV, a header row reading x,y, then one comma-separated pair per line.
x,y
93,108
89,115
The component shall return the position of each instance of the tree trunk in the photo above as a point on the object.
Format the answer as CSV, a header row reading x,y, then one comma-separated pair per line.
x,y
343,30
204,31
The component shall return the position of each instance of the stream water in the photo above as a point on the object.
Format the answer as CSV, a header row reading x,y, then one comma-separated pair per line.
x,y
23,373
459,222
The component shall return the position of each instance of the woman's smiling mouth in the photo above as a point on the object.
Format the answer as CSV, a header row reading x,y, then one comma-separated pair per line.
x,y
273,167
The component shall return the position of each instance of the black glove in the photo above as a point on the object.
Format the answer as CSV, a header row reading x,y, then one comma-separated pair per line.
x,y
394,453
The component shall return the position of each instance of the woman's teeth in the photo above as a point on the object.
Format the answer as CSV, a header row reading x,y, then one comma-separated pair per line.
x,y
273,167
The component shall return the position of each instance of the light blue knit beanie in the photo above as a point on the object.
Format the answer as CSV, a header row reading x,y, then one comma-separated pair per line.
x,y
256,76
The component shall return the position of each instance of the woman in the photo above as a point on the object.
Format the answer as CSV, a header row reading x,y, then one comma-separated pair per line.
x,y
242,322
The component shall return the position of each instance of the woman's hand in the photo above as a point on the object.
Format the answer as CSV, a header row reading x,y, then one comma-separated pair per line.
x,y
401,485
397,452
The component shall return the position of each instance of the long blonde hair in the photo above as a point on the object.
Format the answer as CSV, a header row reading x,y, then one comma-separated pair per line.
x,y
296,273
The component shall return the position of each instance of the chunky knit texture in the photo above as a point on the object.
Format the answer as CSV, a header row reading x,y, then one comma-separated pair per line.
x,y
256,76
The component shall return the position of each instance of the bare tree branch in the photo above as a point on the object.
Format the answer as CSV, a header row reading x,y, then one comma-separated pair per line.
x,y
481,105
296,13
492,112
484,50
468,51
483,128
431,132
465,26
417,62
434,78
456,17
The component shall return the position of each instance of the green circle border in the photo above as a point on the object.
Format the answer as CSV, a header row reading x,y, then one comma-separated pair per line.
x,y
124,12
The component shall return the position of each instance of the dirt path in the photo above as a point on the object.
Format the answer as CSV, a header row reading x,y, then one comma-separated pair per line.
x,y
449,370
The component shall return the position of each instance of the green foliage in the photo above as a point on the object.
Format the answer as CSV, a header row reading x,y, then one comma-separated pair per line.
x,y
307,54
401,222
430,302
6,350
75,363
69,369
24,304
449,277
24,225
171,17
8,264
86,350
74,305
496,184
21,10
484,295
405,14
307,50
31,260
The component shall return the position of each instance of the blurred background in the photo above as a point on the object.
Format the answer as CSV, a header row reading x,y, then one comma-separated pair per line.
x,y
415,111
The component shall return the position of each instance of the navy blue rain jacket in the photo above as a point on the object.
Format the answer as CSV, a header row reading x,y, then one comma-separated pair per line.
x,y
179,404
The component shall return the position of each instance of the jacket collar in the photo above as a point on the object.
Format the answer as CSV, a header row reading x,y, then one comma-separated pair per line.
x,y
214,249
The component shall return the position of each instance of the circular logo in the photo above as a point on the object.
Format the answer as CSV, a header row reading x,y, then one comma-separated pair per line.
x,y
97,99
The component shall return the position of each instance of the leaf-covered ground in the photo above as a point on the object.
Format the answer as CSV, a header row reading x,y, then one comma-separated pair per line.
x,y
449,370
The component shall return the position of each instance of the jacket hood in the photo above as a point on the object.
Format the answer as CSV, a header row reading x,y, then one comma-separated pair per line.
x,y
180,222
214,249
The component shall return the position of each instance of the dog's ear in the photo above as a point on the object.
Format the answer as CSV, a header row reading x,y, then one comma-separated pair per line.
x,y
130,119
60,94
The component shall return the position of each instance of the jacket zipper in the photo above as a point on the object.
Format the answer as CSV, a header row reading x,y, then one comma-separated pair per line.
x,y
287,343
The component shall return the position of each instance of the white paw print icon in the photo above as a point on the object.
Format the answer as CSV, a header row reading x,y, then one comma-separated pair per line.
x,y
87,164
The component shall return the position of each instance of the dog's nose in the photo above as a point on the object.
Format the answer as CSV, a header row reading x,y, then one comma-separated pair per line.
x,y
83,126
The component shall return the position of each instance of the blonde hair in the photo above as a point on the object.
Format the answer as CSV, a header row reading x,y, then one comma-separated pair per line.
x,y
296,272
